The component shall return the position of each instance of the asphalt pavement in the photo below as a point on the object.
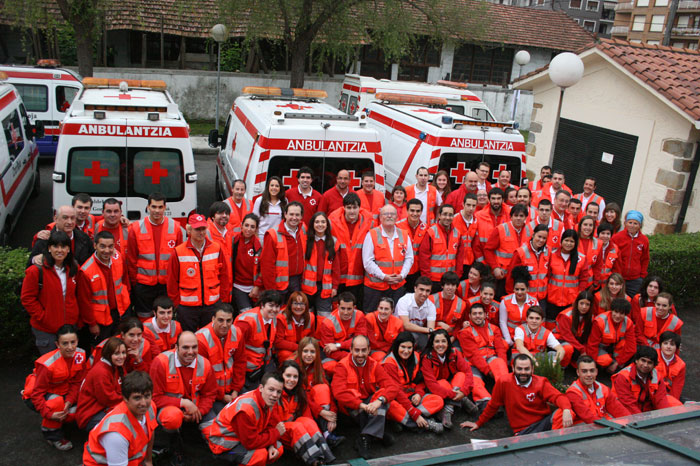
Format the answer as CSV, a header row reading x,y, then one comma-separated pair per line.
x,y
21,442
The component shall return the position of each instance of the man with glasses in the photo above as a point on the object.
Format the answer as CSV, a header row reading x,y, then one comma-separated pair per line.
x,y
483,170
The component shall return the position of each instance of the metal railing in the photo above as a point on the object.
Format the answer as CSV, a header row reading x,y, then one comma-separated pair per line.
x,y
621,30
626,6
685,31
689,5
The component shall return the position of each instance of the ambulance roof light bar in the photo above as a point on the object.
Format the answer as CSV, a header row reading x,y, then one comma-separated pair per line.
x,y
95,83
261,91
394,98
48,63
453,84
3,76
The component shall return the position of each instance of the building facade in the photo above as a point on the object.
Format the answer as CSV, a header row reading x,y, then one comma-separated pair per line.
x,y
645,21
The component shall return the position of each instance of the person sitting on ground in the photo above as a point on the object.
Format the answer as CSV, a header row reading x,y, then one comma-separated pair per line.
x,y
417,312
614,288
639,387
525,397
483,345
162,330
138,350
612,341
449,308
383,327
339,330
671,368
656,320
532,338
293,324
575,323
514,307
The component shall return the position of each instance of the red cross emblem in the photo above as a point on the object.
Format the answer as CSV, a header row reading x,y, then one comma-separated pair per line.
x,y
530,397
425,110
171,243
352,108
96,172
156,173
291,181
343,104
355,181
295,106
233,143
459,172
79,358
15,136
501,167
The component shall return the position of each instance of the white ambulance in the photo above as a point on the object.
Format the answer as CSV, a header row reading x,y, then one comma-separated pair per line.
x,y
418,131
19,158
47,91
358,91
274,132
126,139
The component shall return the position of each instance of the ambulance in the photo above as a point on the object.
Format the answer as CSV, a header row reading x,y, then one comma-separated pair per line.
x,y
274,132
47,91
420,131
358,91
126,140
19,158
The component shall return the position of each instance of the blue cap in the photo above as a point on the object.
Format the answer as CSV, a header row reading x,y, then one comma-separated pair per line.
x,y
635,215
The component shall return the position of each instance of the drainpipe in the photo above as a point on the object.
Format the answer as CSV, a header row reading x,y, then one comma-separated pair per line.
x,y
689,188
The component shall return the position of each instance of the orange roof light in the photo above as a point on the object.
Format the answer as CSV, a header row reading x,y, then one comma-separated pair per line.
x,y
48,63
259,90
410,99
156,85
283,92
310,93
3,76
455,84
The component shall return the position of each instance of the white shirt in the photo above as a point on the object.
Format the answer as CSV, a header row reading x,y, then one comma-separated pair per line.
x,y
503,314
269,220
61,272
304,196
469,222
552,341
423,197
584,203
190,365
117,447
159,329
368,253
481,185
418,315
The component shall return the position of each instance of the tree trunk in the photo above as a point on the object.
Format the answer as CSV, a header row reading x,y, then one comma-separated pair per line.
x,y
84,48
298,52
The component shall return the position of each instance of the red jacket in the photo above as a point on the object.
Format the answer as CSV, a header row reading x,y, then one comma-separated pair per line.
x,y
524,405
159,374
640,396
597,338
633,255
331,200
311,202
434,370
673,374
48,309
336,330
101,391
613,407
456,197
295,253
478,349
57,375
174,274
372,380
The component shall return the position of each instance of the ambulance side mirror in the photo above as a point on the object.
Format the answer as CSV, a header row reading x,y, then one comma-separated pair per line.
x,y
37,130
214,138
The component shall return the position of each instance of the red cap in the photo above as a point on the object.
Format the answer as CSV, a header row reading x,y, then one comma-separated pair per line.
x,y
197,221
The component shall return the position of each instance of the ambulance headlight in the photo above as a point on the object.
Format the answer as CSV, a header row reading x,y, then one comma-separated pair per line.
x,y
100,115
153,116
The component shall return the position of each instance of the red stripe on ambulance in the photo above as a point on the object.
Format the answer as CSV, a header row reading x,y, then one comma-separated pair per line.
x,y
30,75
7,99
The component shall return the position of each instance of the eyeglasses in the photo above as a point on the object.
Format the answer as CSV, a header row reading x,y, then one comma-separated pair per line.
x,y
299,304
389,215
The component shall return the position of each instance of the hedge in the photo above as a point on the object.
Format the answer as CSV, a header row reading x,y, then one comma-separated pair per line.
x,y
17,339
676,258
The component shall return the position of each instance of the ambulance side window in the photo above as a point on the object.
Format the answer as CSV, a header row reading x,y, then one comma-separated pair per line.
x,y
12,127
455,109
95,170
481,114
157,170
64,97
35,97
343,102
352,106
227,128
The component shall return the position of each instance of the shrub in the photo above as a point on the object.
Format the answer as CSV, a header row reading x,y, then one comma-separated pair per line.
x,y
675,258
17,337
550,368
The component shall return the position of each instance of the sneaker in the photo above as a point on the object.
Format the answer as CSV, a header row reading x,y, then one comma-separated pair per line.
x,y
446,416
434,426
362,446
334,440
62,445
388,439
469,406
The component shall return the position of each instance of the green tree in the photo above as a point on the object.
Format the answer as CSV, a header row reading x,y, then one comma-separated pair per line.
x,y
336,27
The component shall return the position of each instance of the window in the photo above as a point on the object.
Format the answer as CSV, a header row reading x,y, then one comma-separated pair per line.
x,y
36,98
64,97
95,170
589,26
693,46
373,63
678,45
575,4
642,3
343,102
653,42
592,5
661,3
482,114
657,23
424,54
13,134
638,23
683,21
352,105
472,63
157,170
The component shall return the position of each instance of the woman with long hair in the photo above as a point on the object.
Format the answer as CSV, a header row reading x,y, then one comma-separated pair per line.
x,y
441,181
569,274
651,287
614,288
613,215
50,293
302,434
268,207
447,374
138,349
293,324
471,286
318,392
398,200
321,276
101,390
574,325
412,407
245,255
513,309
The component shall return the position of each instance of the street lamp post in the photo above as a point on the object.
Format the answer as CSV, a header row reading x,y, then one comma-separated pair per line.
x,y
565,70
522,58
219,34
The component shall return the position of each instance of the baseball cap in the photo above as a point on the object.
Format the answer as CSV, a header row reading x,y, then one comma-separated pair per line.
x,y
197,221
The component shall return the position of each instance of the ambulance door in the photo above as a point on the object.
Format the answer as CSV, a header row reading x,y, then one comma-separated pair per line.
x,y
15,166
36,97
458,164
63,95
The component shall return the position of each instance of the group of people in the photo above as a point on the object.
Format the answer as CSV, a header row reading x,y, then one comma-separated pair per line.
x,y
265,324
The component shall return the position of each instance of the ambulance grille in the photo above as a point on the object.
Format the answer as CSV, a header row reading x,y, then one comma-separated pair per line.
x,y
320,116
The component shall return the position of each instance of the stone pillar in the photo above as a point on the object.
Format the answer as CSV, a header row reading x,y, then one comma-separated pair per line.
x,y
665,210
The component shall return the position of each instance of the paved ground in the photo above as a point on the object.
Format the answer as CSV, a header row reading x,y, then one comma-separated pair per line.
x,y
21,441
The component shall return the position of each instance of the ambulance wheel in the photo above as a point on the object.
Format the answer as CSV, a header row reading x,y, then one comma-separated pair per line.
x,y
217,187
36,188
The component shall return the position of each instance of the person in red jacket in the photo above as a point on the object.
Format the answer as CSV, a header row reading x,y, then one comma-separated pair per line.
x,y
245,258
671,368
469,186
382,328
333,197
184,390
651,287
612,341
607,256
50,294
483,345
525,397
324,261
502,243
161,330
52,389
293,324
590,400
364,391
450,309
219,231
370,199
487,219
653,321
633,247
248,430
638,386
448,375
575,323
101,391
340,328
282,259
305,194
569,274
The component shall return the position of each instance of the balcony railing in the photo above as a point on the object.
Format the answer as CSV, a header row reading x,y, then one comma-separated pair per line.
x,y
689,5
627,6
620,30
685,31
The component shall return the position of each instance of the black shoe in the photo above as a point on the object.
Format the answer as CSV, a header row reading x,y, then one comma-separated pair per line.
x,y
388,439
334,440
396,427
469,406
362,445
178,459
482,405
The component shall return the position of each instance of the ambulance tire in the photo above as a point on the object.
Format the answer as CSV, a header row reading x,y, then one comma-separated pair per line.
x,y
36,186
217,187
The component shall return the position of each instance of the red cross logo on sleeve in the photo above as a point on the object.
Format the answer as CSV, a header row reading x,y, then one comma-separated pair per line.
x,y
295,106
459,172
156,173
355,181
291,181
95,172
501,167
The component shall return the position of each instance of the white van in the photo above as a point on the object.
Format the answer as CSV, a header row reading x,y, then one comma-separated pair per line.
x,y
358,91
272,131
418,131
47,91
19,158
126,139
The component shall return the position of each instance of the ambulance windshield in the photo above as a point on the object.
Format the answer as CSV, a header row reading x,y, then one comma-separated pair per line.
x,y
457,165
325,170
